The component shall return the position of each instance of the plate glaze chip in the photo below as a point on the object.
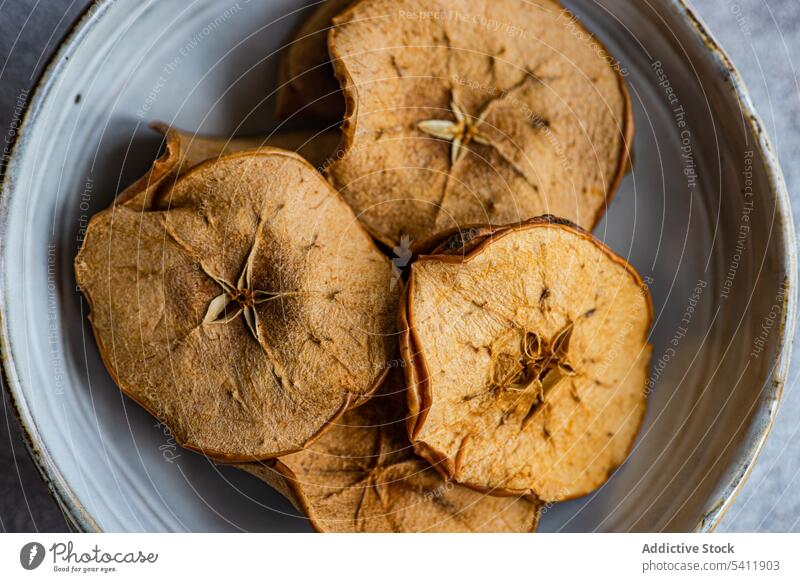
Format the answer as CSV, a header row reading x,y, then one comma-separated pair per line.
x,y
475,112
240,302
527,355
362,475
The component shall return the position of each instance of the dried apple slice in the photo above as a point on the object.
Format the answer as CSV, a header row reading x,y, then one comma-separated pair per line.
x,y
315,146
240,302
475,112
527,355
306,83
363,476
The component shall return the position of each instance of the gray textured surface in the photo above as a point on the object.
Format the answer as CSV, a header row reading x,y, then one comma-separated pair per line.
x,y
762,36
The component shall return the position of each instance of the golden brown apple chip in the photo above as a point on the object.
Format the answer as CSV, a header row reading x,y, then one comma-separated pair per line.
x,y
240,302
527,355
363,476
306,83
315,146
478,111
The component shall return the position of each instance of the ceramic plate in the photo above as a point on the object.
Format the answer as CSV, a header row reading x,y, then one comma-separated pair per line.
x,y
704,217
